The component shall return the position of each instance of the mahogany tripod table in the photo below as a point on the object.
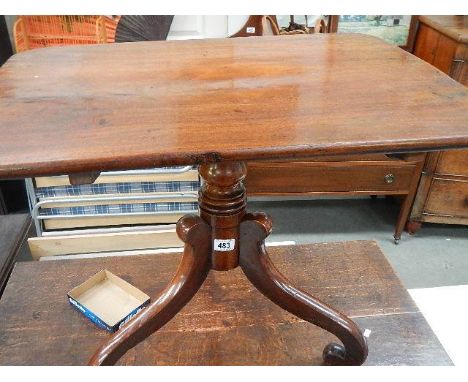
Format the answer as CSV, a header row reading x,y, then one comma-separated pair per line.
x,y
218,103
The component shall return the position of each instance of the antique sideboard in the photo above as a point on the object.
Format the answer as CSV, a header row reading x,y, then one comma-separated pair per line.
x,y
442,195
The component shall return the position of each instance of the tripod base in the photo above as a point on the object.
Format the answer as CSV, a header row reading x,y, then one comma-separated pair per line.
x,y
221,239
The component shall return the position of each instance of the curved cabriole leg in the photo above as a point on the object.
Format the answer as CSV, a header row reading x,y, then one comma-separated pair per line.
x,y
261,272
190,275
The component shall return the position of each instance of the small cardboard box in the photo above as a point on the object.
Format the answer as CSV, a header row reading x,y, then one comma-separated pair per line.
x,y
107,300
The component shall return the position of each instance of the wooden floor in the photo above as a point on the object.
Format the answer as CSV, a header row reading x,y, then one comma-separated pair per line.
x,y
228,322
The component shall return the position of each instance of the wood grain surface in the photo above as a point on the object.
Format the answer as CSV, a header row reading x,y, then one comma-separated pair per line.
x,y
135,105
13,231
455,27
228,322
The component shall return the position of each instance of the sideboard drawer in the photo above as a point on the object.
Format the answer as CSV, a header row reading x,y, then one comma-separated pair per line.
x,y
448,197
454,162
328,177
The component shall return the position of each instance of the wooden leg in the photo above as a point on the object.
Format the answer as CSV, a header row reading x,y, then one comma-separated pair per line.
x,y
405,209
261,272
413,226
403,216
190,275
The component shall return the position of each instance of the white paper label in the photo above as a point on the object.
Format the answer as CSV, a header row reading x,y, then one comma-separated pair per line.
x,y
250,29
224,245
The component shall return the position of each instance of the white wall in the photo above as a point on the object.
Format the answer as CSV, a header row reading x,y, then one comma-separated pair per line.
x,y
195,27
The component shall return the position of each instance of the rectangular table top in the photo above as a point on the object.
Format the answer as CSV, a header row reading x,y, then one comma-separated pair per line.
x,y
228,322
136,105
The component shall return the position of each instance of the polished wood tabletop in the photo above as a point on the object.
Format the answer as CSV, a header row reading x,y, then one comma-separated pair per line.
x,y
136,105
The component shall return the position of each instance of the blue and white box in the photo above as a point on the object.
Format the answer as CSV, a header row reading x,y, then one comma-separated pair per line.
x,y
107,300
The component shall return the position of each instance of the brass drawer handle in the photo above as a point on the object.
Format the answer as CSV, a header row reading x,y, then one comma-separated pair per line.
x,y
389,178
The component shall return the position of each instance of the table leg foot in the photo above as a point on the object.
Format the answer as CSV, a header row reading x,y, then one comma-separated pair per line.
x,y
261,272
413,226
190,275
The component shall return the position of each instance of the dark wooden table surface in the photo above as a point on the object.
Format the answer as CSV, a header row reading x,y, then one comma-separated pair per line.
x,y
134,105
228,322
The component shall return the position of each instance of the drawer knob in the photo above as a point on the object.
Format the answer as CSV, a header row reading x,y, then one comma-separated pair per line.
x,y
389,178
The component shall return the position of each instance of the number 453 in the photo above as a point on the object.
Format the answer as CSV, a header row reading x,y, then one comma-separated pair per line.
x,y
224,245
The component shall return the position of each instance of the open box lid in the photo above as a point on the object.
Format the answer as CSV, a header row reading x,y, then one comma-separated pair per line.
x,y
108,297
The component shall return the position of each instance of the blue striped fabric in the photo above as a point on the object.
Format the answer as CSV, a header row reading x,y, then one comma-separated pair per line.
x,y
121,208
116,188
124,188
